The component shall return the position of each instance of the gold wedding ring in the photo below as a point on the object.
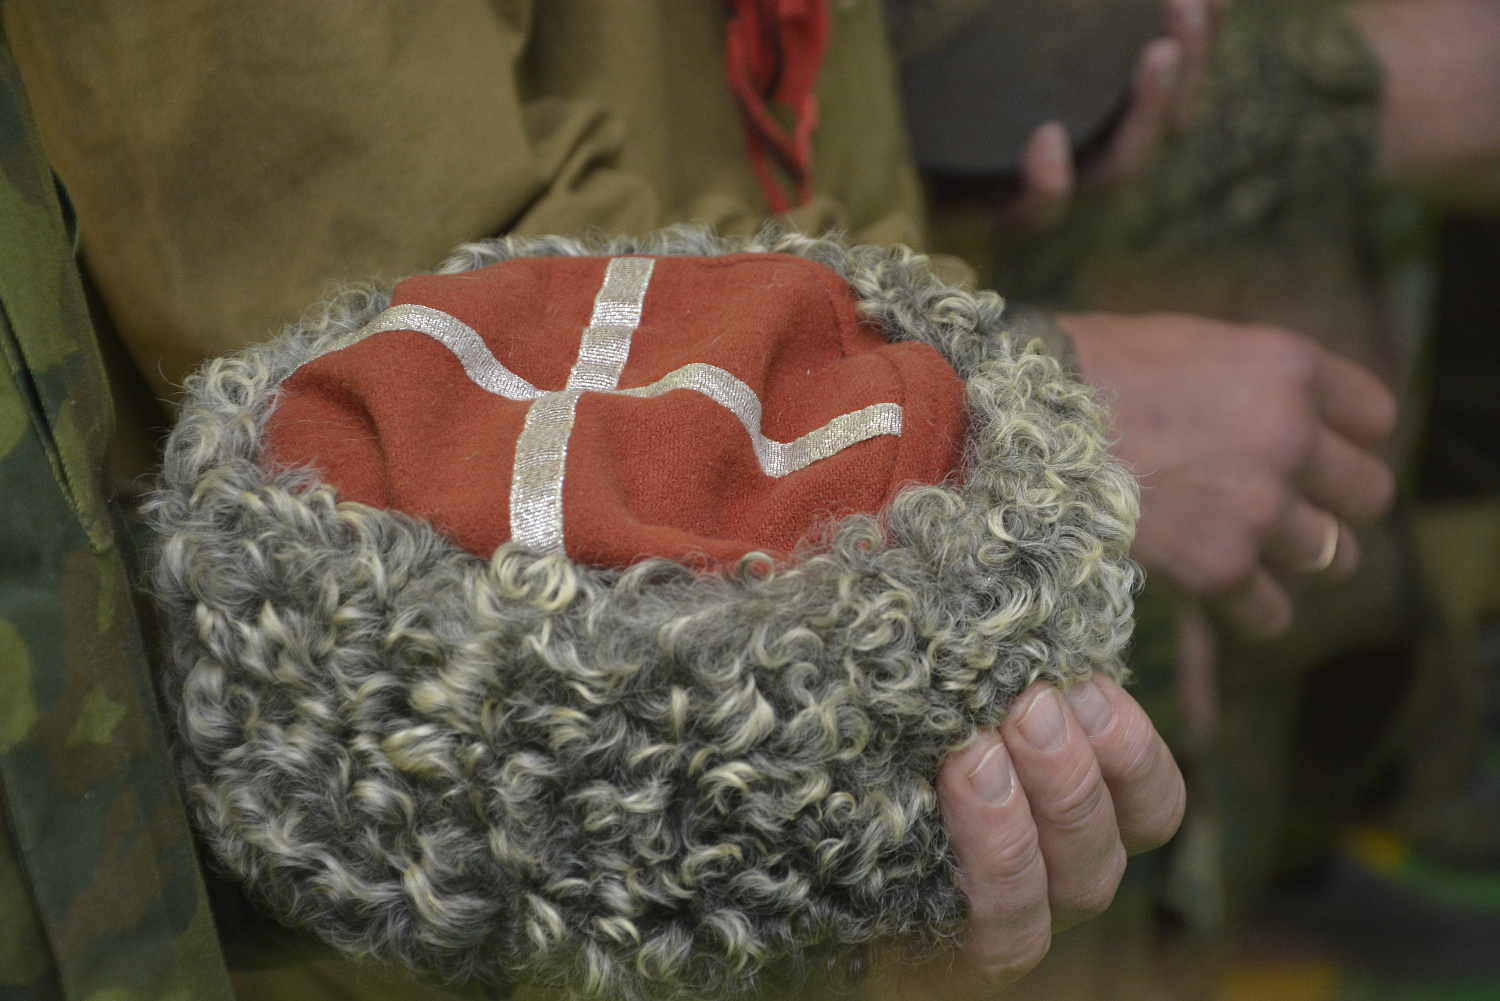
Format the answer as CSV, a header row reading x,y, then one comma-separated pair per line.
x,y
1330,547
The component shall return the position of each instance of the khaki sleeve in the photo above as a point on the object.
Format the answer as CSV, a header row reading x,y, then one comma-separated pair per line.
x,y
229,160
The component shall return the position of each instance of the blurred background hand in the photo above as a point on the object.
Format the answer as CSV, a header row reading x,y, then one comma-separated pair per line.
x,y
1164,90
1254,446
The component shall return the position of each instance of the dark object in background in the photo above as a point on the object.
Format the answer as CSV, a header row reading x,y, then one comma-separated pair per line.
x,y
1463,433
974,99
1393,926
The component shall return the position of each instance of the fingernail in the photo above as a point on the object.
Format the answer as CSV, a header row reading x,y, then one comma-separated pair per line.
x,y
1060,149
1090,707
1043,726
991,778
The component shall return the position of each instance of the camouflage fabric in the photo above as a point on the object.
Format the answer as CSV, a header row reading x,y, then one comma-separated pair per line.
x,y
1280,155
100,893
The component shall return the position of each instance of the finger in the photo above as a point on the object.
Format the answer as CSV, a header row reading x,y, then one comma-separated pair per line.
x,y
1193,24
1301,541
1347,556
1343,478
1196,672
1075,817
1001,871
1144,781
1353,401
1153,94
1217,10
1261,607
1047,177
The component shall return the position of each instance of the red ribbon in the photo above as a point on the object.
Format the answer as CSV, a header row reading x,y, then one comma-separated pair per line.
x,y
773,53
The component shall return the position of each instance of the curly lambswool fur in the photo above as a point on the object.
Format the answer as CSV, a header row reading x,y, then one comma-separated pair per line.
x,y
633,783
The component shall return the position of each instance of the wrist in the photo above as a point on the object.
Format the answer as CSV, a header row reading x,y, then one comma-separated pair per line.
x,y
1440,99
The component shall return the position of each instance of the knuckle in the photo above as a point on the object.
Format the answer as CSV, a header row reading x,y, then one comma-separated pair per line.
x,y
1290,433
1261,505
1284,364
1135,750
1292,356
1081,801
1302,364
1011,861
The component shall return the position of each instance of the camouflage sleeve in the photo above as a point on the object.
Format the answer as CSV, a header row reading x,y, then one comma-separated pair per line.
x,y
100,890
1285,134
1281,149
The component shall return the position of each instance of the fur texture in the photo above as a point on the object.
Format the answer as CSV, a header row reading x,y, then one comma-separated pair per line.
x,y
638,783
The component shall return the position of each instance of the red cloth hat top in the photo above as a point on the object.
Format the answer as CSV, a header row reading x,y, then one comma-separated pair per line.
x,y
693,408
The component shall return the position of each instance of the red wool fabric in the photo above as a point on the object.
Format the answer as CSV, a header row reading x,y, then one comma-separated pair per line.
x,y
394,421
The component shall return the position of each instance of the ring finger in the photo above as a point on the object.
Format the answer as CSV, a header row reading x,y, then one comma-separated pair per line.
x,y
1309,539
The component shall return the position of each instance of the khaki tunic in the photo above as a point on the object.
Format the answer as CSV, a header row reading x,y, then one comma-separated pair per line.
x,y
228,161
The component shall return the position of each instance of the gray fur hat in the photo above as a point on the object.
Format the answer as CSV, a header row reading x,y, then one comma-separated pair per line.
x,y
646,782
